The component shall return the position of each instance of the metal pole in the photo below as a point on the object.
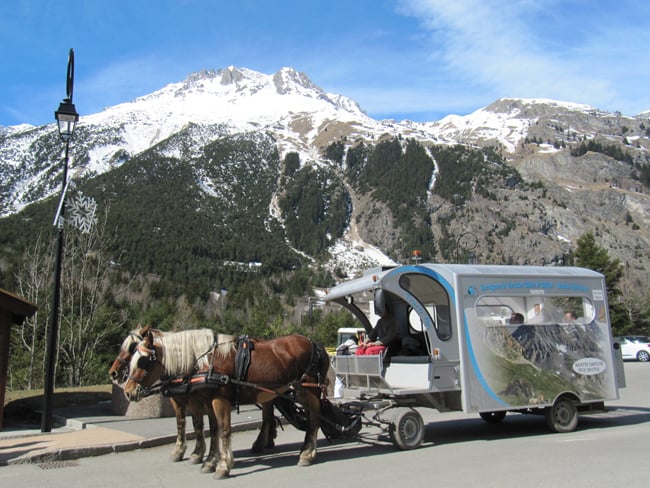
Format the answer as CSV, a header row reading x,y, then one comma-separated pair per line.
x,y
53,333
52,338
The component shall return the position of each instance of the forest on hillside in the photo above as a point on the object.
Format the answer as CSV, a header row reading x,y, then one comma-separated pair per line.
x,y
191,244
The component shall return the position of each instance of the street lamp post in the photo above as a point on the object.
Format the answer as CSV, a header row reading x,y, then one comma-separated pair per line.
x,y
66,117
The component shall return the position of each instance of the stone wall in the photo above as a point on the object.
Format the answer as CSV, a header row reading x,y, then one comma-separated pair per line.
x,y
155,406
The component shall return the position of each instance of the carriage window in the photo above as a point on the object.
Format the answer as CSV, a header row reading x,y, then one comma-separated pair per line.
x,y
433,297
492,311
415,322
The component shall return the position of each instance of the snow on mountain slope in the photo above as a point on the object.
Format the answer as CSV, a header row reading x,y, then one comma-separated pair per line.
x,y
242,99
505,121
300,115
302,118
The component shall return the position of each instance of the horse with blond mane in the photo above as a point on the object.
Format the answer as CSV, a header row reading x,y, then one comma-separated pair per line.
x,y
196,405
239,371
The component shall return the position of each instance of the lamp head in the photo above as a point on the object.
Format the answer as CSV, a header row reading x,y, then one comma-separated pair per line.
x,y
67,118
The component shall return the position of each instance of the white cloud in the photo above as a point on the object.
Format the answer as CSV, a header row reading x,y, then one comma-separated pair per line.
x,y
523,49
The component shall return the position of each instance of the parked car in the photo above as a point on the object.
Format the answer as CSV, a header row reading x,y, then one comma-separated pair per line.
x,y
635,347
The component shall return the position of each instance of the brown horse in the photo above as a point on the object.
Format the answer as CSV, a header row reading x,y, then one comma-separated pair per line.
x,y
196,405
290,366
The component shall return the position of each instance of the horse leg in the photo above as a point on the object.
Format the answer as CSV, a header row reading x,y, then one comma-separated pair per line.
x,y
179,449
222,410
268,430
310,400
210,463
196,409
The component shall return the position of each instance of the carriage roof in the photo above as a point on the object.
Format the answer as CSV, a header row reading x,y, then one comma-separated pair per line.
x,y
375,277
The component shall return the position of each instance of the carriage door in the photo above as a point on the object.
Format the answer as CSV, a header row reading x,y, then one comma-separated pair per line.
x,y
430,317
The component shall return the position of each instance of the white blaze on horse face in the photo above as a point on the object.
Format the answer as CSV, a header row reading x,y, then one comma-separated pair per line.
x,y
133,387
128,346
121,363
135,357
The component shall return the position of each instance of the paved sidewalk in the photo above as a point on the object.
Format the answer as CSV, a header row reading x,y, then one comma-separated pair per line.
x,y
93,430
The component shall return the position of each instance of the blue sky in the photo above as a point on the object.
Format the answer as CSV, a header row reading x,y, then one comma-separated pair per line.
x,y
416,59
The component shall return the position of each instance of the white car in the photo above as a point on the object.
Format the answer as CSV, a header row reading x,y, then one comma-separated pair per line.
x,y
635,347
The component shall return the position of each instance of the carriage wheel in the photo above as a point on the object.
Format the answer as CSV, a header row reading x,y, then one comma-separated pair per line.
x,y
562,416
406,429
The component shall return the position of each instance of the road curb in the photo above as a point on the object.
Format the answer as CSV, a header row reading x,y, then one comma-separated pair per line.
x,y
77,452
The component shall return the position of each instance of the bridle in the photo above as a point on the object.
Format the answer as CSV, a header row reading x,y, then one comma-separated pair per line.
x,y
124,356
145,362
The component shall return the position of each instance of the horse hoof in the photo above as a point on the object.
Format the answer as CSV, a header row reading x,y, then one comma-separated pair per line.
x,y
175,457
221,474
208,468
196,459
305,461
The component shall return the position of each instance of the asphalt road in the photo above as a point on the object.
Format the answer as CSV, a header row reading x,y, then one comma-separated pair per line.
x,y
607,449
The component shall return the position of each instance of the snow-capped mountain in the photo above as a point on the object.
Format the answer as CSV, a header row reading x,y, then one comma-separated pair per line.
x,y
240,99
288,104
535,137
230,101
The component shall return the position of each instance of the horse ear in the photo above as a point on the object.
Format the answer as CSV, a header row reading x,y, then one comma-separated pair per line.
x,y
145,330
149,339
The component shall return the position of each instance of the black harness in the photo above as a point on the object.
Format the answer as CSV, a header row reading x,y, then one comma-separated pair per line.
x,y
182,385
335,422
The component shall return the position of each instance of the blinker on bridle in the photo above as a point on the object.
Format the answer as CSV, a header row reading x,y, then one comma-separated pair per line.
x,y
145,361
126,360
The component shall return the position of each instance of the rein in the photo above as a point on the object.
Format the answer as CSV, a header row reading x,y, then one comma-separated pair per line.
x,y
214,380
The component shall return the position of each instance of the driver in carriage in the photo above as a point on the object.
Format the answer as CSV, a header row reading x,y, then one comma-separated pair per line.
x,y
383,335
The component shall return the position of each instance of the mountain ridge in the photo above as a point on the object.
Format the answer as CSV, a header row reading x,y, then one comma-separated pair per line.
x,y
533,136
142,126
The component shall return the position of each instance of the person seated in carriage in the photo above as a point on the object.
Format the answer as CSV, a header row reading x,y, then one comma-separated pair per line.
x,y
382,336
349,346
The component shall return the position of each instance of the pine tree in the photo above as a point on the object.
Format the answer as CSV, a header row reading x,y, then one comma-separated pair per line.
x,y
589,255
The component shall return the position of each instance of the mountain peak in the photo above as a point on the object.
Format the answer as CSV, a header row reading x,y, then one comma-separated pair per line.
x,y
231,76
288,80
303,116
533,107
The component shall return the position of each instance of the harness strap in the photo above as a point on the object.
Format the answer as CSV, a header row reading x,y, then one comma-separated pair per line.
x,y
181,385
242,362
313,370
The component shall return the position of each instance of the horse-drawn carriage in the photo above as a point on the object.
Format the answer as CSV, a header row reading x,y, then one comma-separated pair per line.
x,y
464,353
458,349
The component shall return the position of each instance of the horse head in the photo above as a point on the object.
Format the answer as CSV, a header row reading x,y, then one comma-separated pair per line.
x,y
120,367
145,368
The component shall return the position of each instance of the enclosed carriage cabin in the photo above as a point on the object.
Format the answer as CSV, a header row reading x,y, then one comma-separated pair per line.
x,y
486,339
